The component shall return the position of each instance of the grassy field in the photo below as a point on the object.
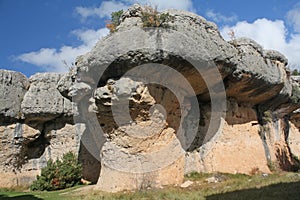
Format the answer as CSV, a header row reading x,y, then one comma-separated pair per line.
x,y
284,186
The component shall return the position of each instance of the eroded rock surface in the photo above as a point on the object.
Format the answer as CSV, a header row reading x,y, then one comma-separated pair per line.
x,y
148,104
13,87
43,100
141,147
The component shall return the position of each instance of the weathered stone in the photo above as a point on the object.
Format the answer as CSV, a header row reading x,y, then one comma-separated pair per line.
x,y
25,150
255,74
276,57
186,184
136,121
43,101
139,144
13,87
237,141
66,82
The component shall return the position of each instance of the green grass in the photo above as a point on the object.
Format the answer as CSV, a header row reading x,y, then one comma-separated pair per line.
x,y
275,186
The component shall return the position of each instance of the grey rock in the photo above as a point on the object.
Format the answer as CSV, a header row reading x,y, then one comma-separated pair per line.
x,y
43,101
275,56
186,184
13,86
259,78
145,129
66,82
77,90
112,56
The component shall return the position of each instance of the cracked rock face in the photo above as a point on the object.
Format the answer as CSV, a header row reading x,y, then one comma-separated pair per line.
x,y
13,87
35,126
148,104
43,99
147,127
140,141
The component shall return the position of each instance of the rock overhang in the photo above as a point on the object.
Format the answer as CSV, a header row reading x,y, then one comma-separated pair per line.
x,y
188,38
255,80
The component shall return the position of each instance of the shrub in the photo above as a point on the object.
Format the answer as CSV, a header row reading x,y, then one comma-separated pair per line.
x,y
115,21
295,94
295,72
273,166
267,116
254,171
60,174
152,18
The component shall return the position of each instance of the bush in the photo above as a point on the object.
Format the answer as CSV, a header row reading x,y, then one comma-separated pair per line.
x,y
115,21
152,18
60,174
295,72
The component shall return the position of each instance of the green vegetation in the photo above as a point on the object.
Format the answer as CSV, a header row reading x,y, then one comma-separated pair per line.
x,y
153,19
295,94
231,186
59,174
267,116
295,72
115,21
150,18
273,166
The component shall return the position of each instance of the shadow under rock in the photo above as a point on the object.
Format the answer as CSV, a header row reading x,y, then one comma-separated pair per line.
x,y
281,191
21,197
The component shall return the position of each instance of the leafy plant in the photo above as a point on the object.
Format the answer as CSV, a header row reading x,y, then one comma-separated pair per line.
x,y
60,174
152,18
295,94
115,21
267,116
273,166
295,72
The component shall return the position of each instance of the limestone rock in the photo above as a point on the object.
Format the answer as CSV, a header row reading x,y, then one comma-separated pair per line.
x,y
25,149
165,46
13,87
255,73
66,82
43,101
275,56
139,108
294,140
251,75
139,140
186,184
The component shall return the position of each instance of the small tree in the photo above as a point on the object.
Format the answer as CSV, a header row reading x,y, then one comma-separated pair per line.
x,y
59,174
152,18
295,72
115,21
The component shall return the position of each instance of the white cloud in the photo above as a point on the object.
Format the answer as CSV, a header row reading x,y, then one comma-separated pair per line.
x,y
104,10
218,17
166,4
107,7
53,60
271,35
293,17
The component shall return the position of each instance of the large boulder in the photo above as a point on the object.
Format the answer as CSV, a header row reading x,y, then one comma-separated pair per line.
x,y
154,100
43,101
259,75
114,77
13,87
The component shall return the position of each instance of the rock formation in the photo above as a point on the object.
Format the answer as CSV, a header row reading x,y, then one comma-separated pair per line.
x,y
151,102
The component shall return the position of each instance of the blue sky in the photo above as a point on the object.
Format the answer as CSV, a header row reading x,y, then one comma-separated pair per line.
x,y
39,36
